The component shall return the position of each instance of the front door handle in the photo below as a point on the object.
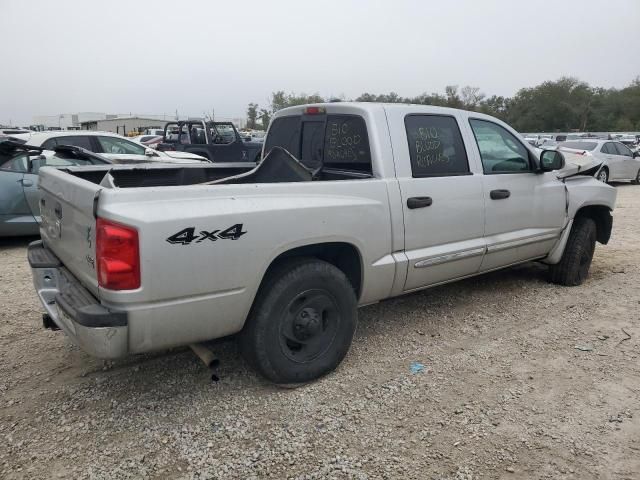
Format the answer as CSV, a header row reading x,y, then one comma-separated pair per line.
x,y
27,183
419,202
499,194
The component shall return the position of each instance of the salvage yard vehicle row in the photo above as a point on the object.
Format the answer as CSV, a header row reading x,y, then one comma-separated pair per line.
x,y
384,200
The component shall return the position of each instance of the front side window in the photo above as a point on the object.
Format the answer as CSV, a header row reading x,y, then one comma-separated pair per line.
x,y
19,163
435,146
623,150
500,151
75,141
120,146
223,133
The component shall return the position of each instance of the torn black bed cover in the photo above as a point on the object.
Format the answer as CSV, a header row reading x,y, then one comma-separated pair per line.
x,y
277,166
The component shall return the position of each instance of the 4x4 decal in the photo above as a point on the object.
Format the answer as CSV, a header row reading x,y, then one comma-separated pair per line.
x,y
187,235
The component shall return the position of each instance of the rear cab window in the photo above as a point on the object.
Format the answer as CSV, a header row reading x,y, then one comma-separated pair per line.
x,y
436,147
335,141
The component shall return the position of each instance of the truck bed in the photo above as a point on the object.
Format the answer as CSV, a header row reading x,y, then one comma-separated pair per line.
x,y
277,167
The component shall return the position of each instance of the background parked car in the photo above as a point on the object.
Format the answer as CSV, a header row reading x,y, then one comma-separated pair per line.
x,y
150,141
106,143
19,195
619,162
218,141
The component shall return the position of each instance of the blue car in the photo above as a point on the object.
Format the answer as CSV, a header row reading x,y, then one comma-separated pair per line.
x,y
19,195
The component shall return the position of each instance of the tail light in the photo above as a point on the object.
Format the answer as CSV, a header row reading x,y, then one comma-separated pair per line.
x,y
117,256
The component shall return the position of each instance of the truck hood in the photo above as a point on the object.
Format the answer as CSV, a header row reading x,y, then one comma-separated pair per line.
x,y
579,165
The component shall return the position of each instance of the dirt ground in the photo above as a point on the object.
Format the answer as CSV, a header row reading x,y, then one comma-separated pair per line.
x,y
520,379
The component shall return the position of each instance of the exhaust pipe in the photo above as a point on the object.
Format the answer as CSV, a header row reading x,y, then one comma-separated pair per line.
x,y
205,354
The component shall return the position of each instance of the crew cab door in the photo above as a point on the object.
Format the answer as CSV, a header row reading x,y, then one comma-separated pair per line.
x,y
12,181
525,211
441,198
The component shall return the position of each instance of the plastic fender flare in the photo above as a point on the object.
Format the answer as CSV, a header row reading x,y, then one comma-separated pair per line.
x,y
555,255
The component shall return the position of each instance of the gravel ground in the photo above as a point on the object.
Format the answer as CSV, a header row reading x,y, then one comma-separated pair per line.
x,y
504,392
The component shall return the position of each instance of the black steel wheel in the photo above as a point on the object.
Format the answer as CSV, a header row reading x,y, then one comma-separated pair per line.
x,y
302,322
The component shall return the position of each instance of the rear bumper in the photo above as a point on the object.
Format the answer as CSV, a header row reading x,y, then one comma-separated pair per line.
x,y
99,331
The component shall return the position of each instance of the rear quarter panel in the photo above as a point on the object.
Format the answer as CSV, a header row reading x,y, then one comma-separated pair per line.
x,y
204,288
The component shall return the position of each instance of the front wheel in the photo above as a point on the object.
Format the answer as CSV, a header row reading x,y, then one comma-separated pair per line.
x,y
637,180
573,268
302,322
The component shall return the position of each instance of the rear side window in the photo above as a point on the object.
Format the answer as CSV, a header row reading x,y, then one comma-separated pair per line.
x,y
608,148
49,144
346,143
79,141
285,132
435,146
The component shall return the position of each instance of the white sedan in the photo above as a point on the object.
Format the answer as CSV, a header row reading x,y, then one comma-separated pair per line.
x,y
108,144
619,163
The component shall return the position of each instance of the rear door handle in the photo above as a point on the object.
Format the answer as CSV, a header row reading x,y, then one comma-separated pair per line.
x,y
419,202
27,183
499,194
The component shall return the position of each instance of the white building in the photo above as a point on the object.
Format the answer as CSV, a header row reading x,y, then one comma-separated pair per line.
x,y
67,120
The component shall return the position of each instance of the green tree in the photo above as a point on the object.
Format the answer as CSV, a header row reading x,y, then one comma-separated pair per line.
x,y
252,115
280,100
265,118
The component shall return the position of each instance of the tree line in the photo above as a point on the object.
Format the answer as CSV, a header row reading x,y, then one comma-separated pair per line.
x,y
563,105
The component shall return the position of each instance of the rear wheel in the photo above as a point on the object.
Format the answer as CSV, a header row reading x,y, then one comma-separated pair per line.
x,y
302,322
573,268
603,175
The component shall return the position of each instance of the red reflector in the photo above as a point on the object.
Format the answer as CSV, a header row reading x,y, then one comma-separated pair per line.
x,y
117,255
314,110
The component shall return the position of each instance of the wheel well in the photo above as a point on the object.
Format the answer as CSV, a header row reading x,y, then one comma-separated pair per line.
x,y
604,221
344,256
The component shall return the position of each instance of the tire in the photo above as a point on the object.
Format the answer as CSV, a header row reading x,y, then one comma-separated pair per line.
x,y
637,180
302,322
603,175
573,268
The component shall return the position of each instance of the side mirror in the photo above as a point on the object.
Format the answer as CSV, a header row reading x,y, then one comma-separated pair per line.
x,y
35,163
636,154
551,160
149,152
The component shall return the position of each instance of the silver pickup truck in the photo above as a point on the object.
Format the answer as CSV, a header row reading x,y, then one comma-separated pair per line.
x,y
351,204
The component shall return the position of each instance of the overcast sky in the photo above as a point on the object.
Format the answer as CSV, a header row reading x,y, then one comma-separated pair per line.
x,y
158,56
